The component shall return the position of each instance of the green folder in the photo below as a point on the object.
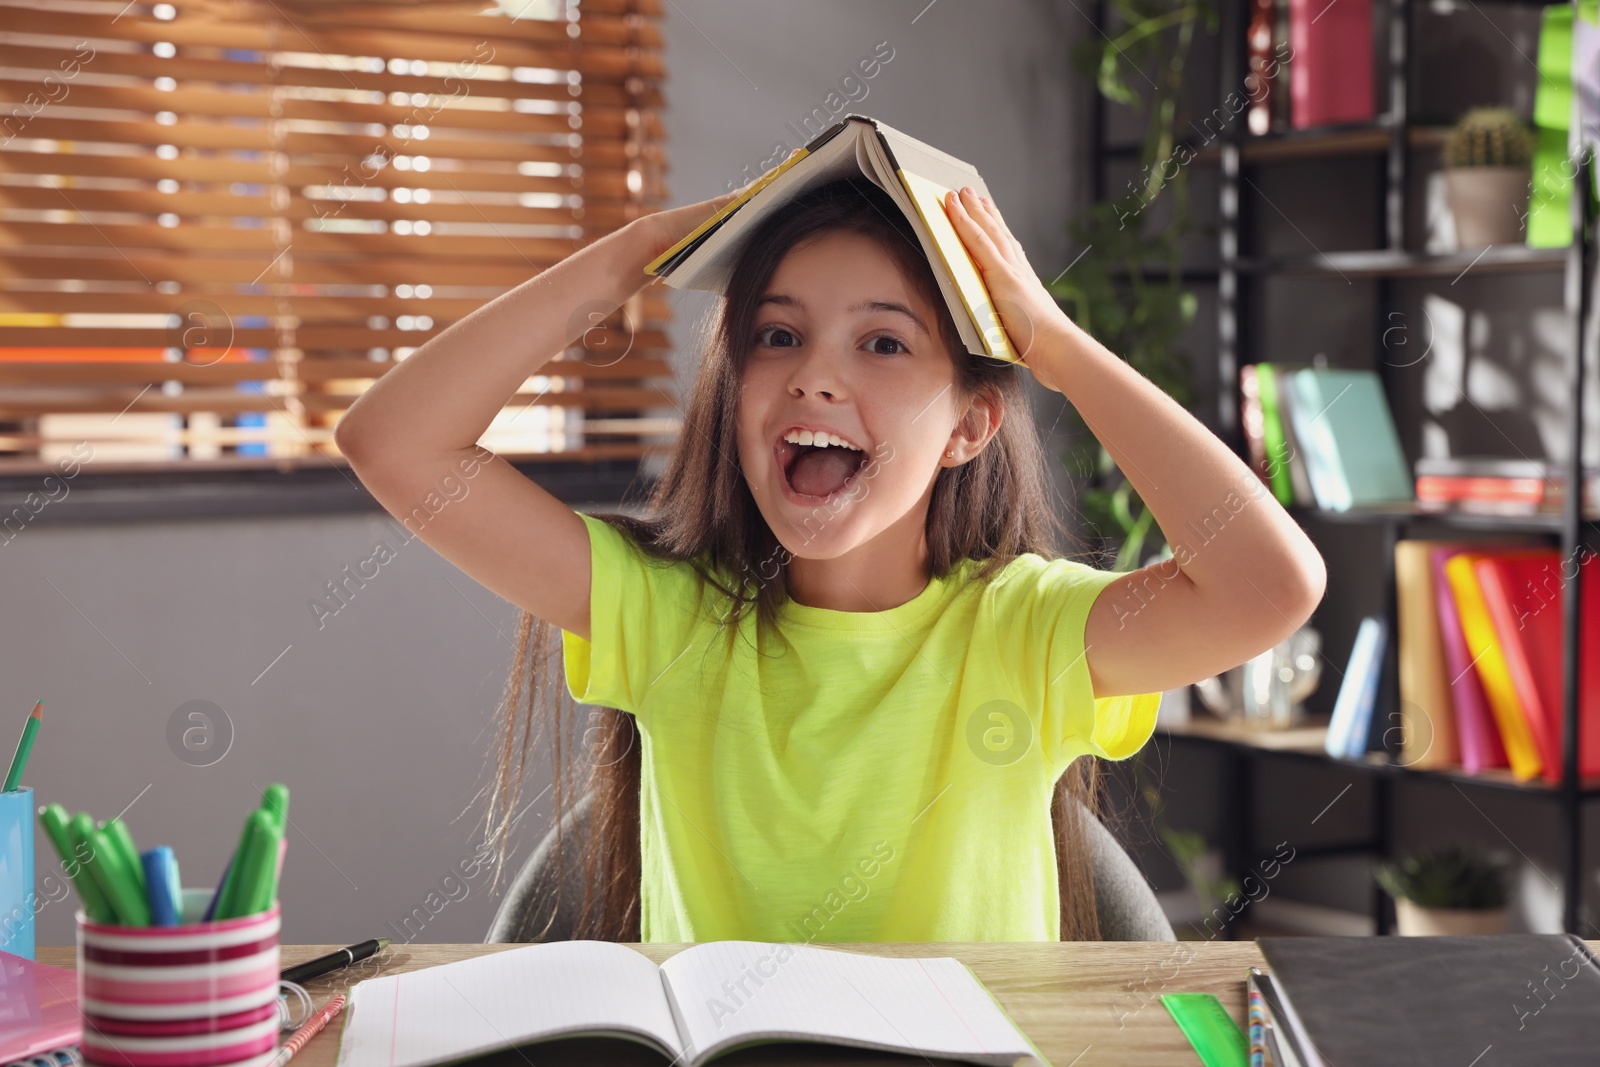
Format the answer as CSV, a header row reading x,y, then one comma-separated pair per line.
x,y
1550,205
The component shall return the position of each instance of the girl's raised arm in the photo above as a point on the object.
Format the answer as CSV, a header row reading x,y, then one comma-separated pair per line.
x,y
412,437
1243,575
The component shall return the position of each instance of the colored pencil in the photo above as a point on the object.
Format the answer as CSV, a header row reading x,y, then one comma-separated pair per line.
x,y
19,761
309,1030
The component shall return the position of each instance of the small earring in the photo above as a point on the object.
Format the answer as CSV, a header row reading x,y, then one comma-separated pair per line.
x,y
949,453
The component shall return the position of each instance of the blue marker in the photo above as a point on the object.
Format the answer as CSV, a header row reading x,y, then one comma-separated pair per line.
x,y
162,886
216,898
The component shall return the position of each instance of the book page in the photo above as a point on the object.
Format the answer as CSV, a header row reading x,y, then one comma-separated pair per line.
x,y
564,988
728,993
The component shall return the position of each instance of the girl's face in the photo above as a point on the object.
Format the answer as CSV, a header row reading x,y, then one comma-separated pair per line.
x,y
842,343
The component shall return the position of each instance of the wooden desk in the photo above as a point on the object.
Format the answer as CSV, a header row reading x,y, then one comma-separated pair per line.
x,y
1082,1003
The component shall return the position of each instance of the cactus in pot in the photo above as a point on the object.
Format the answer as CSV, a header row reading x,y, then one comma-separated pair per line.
x,y
1486,157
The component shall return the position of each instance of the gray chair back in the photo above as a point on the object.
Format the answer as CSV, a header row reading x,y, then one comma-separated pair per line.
x,y
1127,907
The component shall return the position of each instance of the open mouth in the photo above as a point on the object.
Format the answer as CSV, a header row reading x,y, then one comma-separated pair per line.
x,y
817,473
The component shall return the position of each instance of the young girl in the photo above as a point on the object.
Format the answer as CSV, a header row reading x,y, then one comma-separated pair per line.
x,y
843,676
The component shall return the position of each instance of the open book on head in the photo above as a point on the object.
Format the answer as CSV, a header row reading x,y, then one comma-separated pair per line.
x,y
914,174
705,1001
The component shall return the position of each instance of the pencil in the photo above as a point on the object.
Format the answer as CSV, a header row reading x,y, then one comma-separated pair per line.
x,y
308,1031
24,747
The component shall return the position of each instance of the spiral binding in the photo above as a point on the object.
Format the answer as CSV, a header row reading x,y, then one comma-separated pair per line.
x,y
287,1020
61,1057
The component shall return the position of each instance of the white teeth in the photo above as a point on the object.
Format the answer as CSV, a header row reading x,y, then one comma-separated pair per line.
x,y
821,440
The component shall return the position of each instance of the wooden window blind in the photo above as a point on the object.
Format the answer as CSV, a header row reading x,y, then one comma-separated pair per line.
x,y
222,220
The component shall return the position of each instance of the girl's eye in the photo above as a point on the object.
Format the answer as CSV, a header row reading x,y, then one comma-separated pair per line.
x,y
773,331
900,347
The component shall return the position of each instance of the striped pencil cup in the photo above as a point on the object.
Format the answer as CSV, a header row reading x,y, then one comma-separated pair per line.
x,y
202,994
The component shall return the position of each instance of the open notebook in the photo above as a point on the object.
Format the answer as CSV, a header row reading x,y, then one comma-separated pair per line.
x,y
704,1001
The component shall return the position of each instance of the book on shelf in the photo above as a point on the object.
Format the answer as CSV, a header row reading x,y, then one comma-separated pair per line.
x,y
1293,418
1260,412
1493,486
1525,599
914,174
1530,998
1427,711
704,1002
1479,738
1325,436
1253,422
1352,451
1489,661
1350,726
1330,76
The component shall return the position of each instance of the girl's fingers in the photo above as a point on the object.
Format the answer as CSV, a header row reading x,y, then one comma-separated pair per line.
x,y
1019,257
988,219
973,233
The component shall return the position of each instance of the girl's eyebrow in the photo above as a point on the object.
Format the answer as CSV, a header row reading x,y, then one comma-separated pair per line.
x,y
865,305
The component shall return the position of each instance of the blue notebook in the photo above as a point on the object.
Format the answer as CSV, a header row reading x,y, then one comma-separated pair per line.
x,y
1347,434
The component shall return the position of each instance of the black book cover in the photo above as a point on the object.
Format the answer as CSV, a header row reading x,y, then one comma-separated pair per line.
x,y
1507,999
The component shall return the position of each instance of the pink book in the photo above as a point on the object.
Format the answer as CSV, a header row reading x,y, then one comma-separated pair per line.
x,y
1330,74
1475,726
39,1011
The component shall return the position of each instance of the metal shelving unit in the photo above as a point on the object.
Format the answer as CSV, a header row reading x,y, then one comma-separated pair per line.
x,y
1393,138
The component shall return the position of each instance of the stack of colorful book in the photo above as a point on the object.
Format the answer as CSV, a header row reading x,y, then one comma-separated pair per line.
x,y
1495,486
1480,656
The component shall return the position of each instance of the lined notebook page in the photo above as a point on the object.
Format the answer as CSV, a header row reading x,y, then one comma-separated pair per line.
x,y
930,1006
491,1002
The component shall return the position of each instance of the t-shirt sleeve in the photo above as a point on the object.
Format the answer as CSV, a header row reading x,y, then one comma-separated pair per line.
x,y
1041,618
642,615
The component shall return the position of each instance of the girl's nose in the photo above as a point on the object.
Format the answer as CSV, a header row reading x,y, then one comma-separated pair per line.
x,y
820,373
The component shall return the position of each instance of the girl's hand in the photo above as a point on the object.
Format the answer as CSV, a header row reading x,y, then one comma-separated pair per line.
x,y
1026,309
662,229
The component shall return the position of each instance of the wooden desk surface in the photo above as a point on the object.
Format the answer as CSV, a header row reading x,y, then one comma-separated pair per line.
x,y
1081,1003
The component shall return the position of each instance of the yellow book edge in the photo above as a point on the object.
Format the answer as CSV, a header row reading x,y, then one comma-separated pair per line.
x,y
727,209
1490,663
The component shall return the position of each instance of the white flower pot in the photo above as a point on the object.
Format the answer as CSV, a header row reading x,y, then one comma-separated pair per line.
x,y
1489,204
1411,920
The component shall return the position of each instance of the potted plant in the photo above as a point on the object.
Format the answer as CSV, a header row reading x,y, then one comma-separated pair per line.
x,y
1458,889
1487,174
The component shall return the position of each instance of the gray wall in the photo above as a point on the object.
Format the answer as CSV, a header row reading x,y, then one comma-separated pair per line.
x,y
379,719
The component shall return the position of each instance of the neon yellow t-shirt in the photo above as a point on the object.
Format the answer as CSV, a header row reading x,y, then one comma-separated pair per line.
x,y
885,777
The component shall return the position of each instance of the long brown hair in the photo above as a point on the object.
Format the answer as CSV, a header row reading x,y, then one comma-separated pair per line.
x,y
991,509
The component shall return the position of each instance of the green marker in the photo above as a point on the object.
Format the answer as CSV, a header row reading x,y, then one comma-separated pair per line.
x,y
230,877
256,863
275,798
80,831
117,881
54,819
116,832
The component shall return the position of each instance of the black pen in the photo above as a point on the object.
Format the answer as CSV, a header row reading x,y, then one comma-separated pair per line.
x,y
344,957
